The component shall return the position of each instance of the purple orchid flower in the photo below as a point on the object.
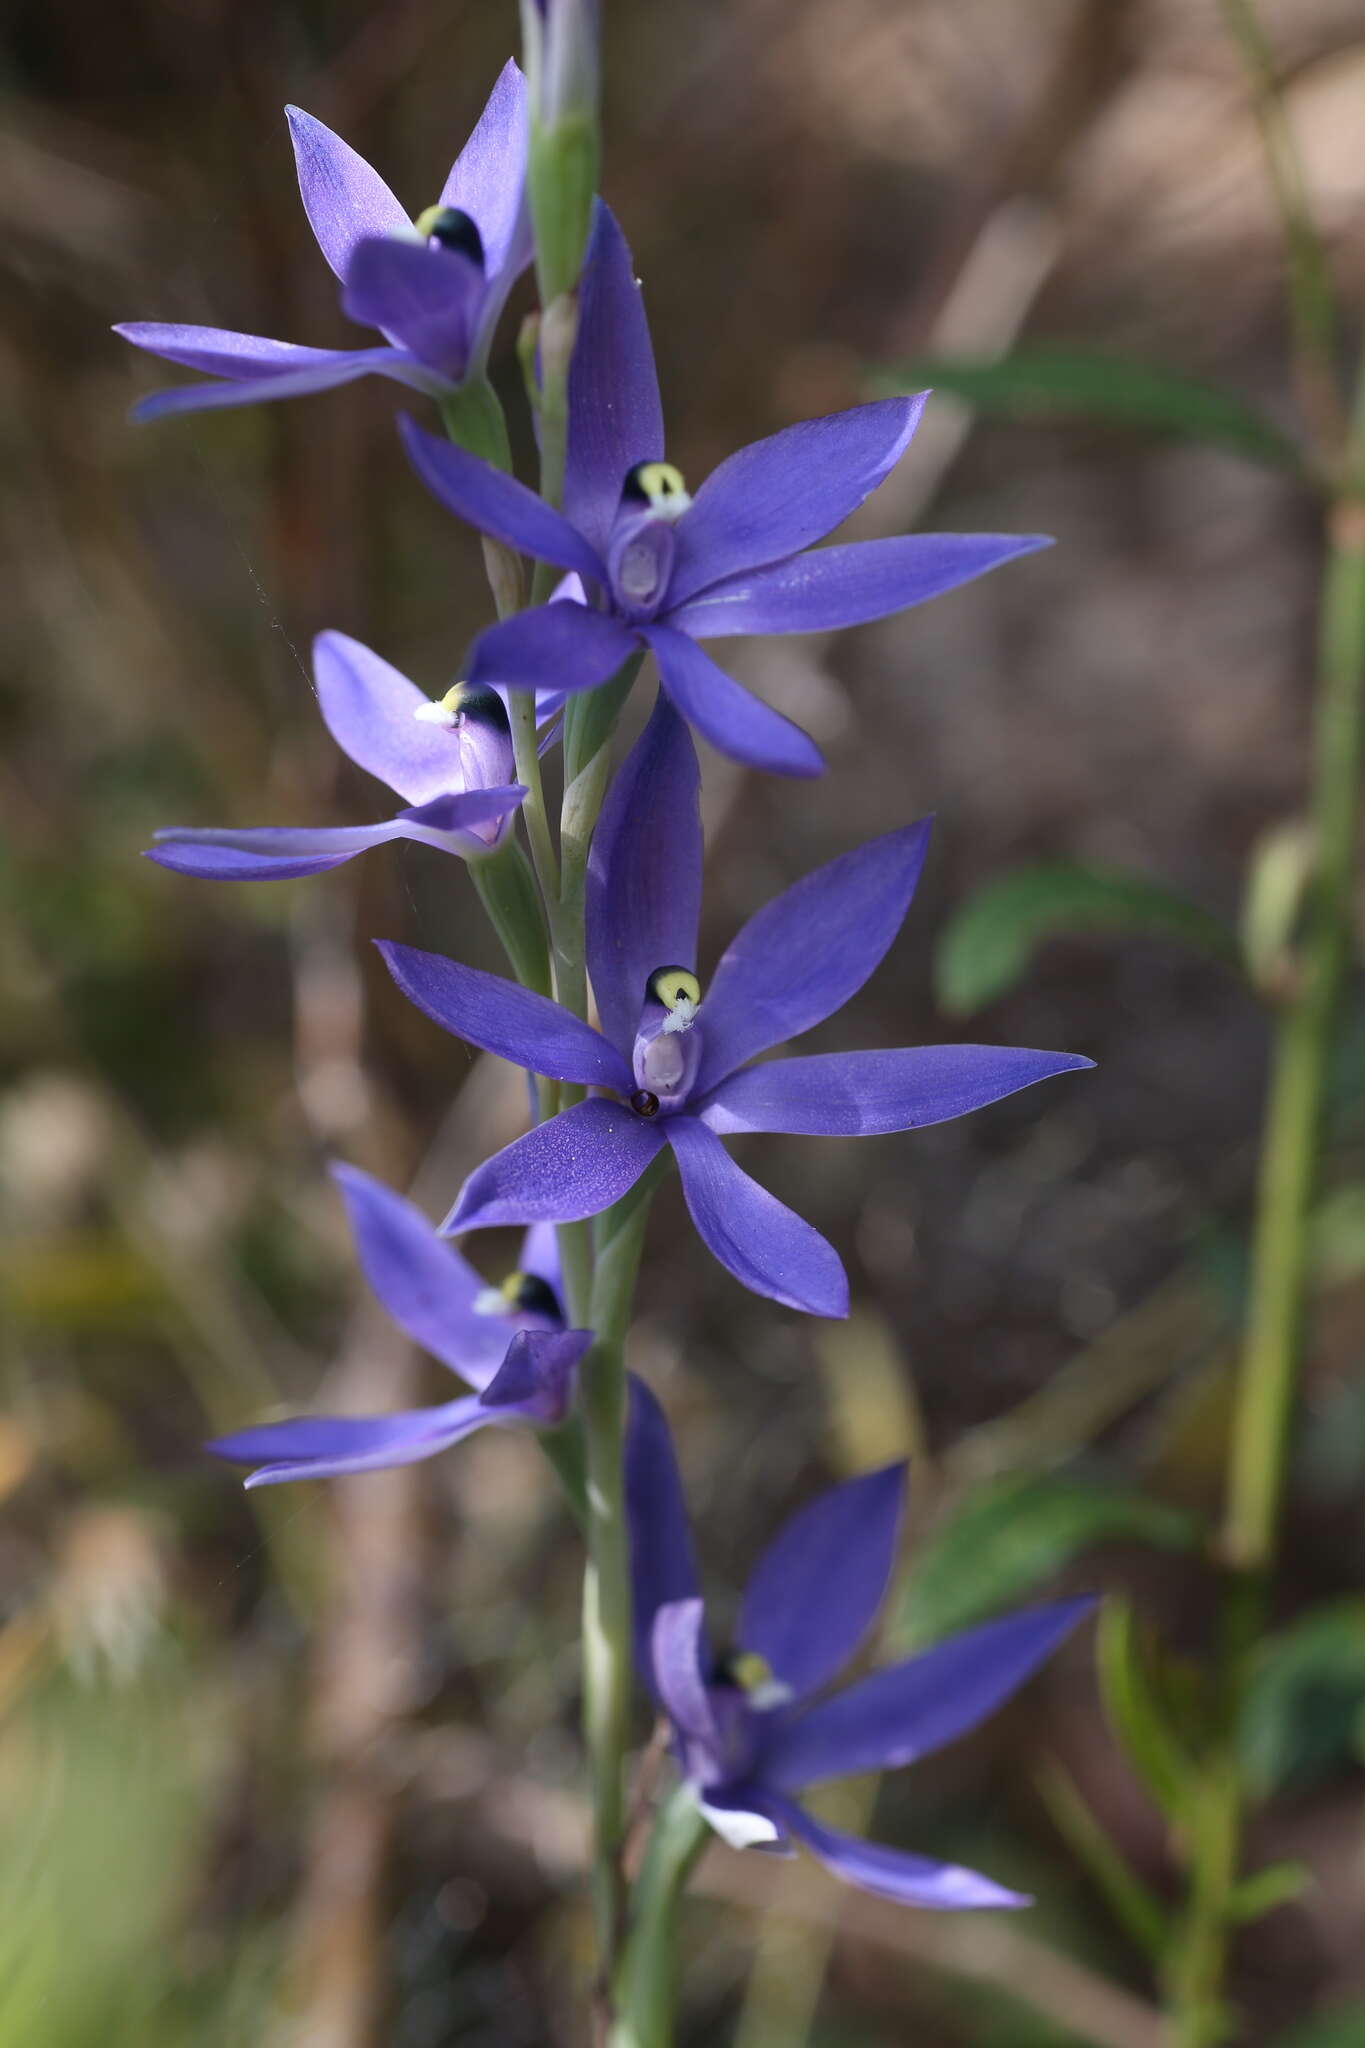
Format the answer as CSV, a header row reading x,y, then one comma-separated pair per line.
x,y
433,288
509,1343
451,761
750,1728
675,1064
669,570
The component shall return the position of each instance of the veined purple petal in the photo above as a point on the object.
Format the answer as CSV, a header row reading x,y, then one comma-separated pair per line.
x,y
816,1589
487,179
731,717
773,498
825,588
330,1446
371,712
678,1663
339,366
282,853
568,645
427,1286
615,418
764,1244
497,504
859,1094
535,1382
891,1873
663,1567
344,198
907,1711
644,872
513,1022
575,1165
428,299
802,956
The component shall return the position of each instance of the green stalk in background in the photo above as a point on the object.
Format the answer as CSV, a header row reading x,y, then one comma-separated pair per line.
x,y
1304,1038
1303,1046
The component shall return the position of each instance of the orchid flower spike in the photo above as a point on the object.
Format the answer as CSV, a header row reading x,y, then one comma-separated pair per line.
x,y
671,1055
666,569
751,1726
451,761
434,286
508,1343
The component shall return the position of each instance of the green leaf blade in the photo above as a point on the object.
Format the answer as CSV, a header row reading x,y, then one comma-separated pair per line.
x,y
1058,381
987,945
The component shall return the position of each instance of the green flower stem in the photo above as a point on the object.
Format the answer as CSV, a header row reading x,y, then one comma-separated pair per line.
x,y
1263,1411
526,754
646,1983
619,1239
507,890
1213,1837
558,324
1303,1045
564,1449
1312,307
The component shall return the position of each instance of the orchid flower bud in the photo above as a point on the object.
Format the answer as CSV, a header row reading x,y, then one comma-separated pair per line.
x,y
560,53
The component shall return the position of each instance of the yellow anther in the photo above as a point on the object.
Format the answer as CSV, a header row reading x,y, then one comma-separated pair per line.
x,y
661,480
660,486
750,1672
674,987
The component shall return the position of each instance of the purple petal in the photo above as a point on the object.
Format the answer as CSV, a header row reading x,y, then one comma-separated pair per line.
x,y
775,497
826,588
615,418
576,1165
263,855
677,1660
329,1446
518,1025
644,872
662,1565
428,299
725,713
859,1094
535,1382
573,647
816,1589
220,352
487,179
903,1713
497,504
330,368
427,1286
802,956
343,197
281,853
891,1873
371,712
539,1255
766,1247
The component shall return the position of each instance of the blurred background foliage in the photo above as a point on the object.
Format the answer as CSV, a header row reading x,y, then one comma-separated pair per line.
x,y
303,1768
